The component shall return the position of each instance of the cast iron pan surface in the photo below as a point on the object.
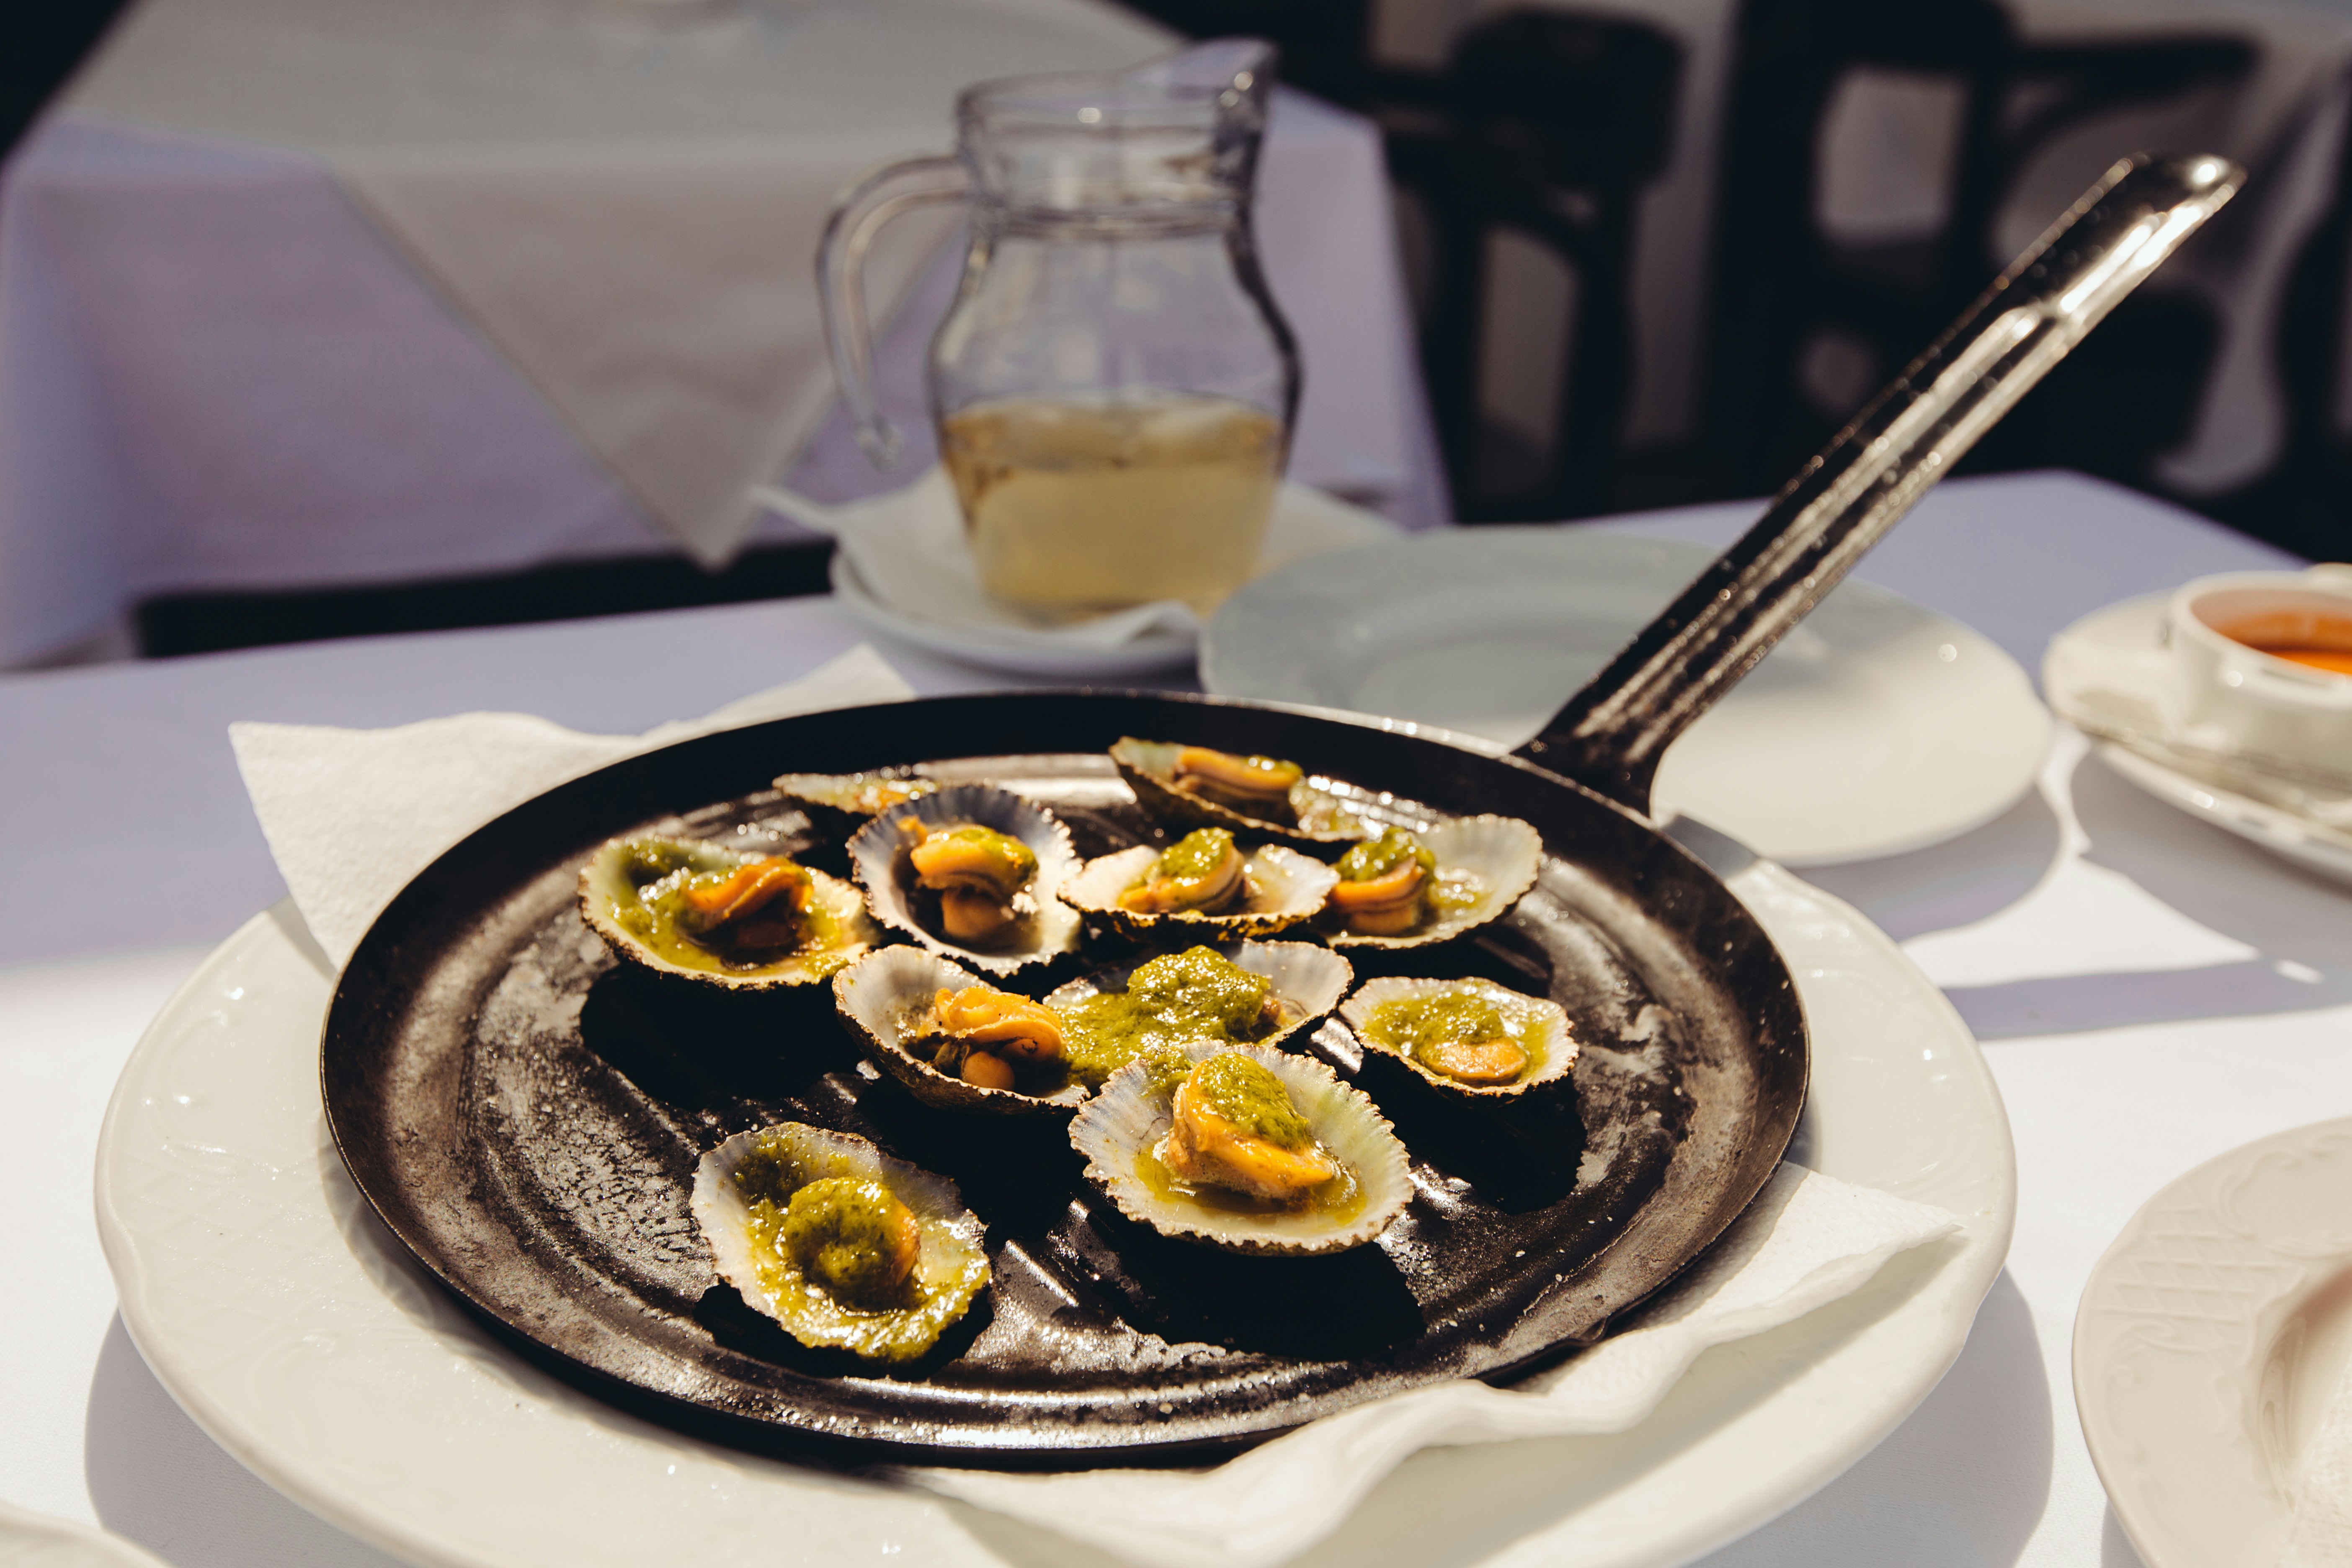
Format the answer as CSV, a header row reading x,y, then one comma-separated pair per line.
x,y
526,1115
526,1118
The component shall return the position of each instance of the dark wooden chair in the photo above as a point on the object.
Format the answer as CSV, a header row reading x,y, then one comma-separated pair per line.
x,y
41,46
1784,288
1548,124
2304,502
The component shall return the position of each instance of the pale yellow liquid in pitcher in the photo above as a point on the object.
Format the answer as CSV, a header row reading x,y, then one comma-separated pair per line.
x,y
1088,506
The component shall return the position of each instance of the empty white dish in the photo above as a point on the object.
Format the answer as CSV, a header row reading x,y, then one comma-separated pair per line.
x,y
2209,1348
1878,726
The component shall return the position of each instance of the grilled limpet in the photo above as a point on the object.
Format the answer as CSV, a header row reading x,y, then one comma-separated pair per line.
x,y
1408,888
842,802
1256,993
980,1049
1242,1148
1466,1037
1201,885
846,1248
971,871
1266,797
701,911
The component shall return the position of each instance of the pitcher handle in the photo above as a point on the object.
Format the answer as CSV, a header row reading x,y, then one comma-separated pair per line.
x,y
881,195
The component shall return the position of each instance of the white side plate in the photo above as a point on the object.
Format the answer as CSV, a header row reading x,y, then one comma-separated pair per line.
x,y
2210,1343
1875,727
276,1309
962,622
2134,627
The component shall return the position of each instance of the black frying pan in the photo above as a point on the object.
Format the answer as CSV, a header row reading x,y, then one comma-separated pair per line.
x,y
525,1116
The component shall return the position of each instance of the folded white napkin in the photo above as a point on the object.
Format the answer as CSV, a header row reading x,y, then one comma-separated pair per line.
x,y
908,550
352,814
1807,1240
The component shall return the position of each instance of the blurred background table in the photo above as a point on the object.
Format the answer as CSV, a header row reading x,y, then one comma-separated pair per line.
x,y
306,306
2149,991
320,293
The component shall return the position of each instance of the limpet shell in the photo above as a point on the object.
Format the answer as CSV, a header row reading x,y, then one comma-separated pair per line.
x,y
1285,888
832,800
882,996
878,859
952,1268
1149,769
1502,852
606,888
1127,1118
1549,1039
1308,980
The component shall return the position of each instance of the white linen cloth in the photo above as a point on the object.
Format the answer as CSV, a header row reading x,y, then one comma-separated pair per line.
x,y
352,814
625,207
2108,951
910,550
217,373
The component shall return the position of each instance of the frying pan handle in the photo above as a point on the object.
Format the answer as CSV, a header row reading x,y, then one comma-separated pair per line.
x,y
1610,735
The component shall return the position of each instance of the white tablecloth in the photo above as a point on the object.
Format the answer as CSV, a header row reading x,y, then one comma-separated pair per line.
x,y
2149,991
310,292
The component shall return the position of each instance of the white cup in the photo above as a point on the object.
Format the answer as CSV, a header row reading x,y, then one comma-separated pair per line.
x,y
2228,694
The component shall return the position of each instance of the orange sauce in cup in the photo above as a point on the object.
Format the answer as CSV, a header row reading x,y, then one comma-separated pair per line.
x,y
2335,658
2311,637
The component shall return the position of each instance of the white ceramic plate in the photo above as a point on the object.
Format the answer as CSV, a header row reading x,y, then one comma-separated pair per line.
x,y
2134,625
1306,522
1875,727
2282,833
2210,1343
270,1300
1026,653
29,1540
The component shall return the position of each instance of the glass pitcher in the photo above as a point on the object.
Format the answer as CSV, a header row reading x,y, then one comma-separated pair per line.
x,y
1114,385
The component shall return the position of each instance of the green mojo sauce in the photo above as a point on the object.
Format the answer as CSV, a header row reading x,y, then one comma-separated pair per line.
x,y
1376,857
1421,1026
818,1258
653,909
1178,997
1247,1094
1196,857
843,1232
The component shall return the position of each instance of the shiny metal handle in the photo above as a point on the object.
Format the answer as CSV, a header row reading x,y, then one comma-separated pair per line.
x,y
858,213
1610,735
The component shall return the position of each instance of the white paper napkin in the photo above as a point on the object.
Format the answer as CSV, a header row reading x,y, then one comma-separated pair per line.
x,y
907,548
1807,1240
352,814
